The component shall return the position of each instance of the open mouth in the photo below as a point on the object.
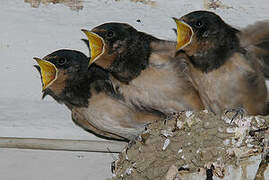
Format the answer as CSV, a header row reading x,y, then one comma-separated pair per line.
x,y
97,45
184,34
48,72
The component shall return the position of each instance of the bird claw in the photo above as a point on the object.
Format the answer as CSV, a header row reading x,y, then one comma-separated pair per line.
x,y
238,112
131,143
113,167
141,138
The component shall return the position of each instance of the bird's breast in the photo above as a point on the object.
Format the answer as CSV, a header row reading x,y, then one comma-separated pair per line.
x,y
161,87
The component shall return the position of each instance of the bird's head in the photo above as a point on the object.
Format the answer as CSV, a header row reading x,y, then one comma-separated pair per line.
x,y
110,41
200,31
60,69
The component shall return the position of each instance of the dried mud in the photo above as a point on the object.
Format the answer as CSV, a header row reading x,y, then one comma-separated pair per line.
x,y
191,143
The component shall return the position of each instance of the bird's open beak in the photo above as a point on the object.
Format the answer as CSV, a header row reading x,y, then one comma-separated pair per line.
x,y
184,34
48,72
96,43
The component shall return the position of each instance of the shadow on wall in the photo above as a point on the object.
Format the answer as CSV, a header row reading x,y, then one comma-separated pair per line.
x,y
76,5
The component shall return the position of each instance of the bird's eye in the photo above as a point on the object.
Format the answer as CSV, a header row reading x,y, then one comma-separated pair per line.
x,y
61,61
198,24
110,34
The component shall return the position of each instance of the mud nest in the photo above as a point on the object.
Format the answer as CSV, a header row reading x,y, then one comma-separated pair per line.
x,y
192,142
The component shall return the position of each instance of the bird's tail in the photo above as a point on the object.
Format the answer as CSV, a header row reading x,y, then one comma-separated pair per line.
x,y
255,37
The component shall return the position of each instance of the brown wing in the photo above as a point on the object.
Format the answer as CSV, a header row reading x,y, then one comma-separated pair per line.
x,y
79,120
196,99
255,38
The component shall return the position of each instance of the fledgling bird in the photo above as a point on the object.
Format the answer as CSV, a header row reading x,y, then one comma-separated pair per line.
x,y
89,94
226,74
144,69
255,38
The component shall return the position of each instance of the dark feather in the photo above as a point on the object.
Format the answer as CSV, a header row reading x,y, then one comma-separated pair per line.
x,y
86,41
175,30
38,68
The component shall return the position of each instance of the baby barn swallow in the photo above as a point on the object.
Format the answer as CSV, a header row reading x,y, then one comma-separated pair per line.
x,y
88,93
144,68
227,75
255,38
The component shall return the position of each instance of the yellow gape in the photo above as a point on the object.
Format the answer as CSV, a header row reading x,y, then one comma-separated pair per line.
x,y
184,34
96,44
48,72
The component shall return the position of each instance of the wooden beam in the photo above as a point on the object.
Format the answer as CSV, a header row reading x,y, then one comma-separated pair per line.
x,y
62,144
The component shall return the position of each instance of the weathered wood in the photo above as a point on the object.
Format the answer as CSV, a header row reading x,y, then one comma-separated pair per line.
x,y
61,144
